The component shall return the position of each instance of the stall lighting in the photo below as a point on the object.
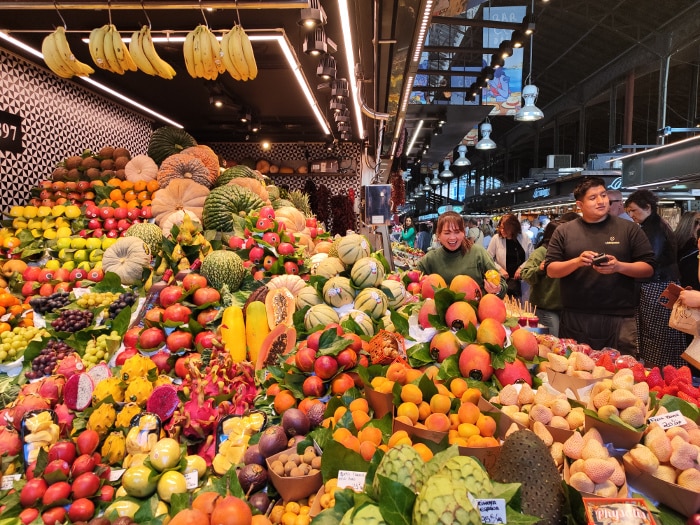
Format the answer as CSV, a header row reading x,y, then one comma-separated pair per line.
x,y
350,58
416,131
315,43
435,181
312,16
462,160
446,173
326,68
485,143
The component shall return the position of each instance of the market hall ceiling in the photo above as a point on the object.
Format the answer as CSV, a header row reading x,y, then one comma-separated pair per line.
x,y
581,50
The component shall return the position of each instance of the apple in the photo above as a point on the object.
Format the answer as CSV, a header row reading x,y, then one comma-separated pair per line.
x,y
177,313
112,234
285,248
45,194
29,288
106,212
154,316
193,281
110,224
263,224
249,243
31,273
170,295
97,233
413,275
125,354
64,450
235,243
146,212
151,338
268,261
96,275
205,339
258,275
313,232
267,212
161,359
256,254
271,238
78,274
62,287
131,337
291,267
205,295
56,470
61,274
179,340
123,224
93,224
311,222
120,213
694,519
133,213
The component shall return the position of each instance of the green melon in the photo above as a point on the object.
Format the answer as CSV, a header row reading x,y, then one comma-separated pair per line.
x,y
167,141
395,292
320,315
372,301
352,248
367,272
149,233
234,172
226,202
338,291
308,296
328,267
222,267
362,320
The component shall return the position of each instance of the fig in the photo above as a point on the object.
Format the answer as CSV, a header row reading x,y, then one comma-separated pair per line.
x,y
295,422
272,441
252,478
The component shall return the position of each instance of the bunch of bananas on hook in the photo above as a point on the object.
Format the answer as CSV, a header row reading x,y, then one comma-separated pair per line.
x,y
237,54
60,58
145,56
109,52
202,54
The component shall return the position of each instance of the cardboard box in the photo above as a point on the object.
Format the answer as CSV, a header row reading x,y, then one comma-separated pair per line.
x,y
685,501
620,437
560,435
293,488
381,404
574,387
420,433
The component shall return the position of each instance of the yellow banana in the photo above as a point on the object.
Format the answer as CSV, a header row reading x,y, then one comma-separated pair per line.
x,y
188,52
97,37
249,56
53,59
138,54
210,71
64,51
121,52
110,54
162,68
226,56
216,50
237,52
197,53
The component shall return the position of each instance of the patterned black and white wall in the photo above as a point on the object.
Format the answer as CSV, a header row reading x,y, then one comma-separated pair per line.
x,y
59,118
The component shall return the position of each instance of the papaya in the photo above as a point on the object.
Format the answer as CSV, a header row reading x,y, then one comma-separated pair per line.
x,y
256,328
280,341
233,333
280,305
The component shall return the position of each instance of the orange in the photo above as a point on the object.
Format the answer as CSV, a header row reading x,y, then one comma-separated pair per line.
x,y
411,393
130,195
424,451
143,195
133,204
116,194
147,202
458,387
487,425
283,401
10,243
114,182
126,185
121,203
410,410
469,412
359,404
152,185
440,403
3,311
5,327
139,185
273,389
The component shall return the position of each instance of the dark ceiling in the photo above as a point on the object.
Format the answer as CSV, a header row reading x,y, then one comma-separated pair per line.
x,y
583,54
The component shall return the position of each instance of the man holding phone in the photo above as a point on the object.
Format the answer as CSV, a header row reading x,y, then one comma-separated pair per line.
x,y
598,258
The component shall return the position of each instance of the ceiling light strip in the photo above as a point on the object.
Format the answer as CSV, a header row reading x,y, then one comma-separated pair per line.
x,y
95,84
415,136
350,57
154,4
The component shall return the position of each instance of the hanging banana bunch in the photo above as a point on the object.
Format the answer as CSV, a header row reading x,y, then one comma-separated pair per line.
x,y
237,54
203,54
109,52
145,56
60,58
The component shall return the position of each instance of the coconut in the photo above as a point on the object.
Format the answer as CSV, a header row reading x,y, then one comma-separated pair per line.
x,y
77,394
163,401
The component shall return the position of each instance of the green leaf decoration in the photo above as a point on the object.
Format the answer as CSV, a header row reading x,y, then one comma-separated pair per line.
x,y
337,457
467,334
672,403
419,355
109,283
400,322
500,356
397,502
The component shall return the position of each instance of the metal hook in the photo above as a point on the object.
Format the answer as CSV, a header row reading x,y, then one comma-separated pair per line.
x,y
109,11
55,4
206,23
238,14
148,19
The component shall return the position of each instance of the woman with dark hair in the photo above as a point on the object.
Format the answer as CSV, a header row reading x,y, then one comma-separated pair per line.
x,y
510,248
544,290
409,232
659,345
458,255
687,237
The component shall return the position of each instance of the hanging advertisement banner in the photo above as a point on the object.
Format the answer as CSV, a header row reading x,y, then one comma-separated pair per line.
x,y
504,90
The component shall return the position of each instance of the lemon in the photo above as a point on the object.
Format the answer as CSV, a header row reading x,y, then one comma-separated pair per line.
x,y
30,212
53,264
43,211
50,234
78,243
17,211
58,210
73,212
63,232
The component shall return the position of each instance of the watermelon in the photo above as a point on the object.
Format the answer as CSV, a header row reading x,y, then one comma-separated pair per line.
x,y
367,272
372,301
320,315
226,202
338,291
168,140
222,267
236,171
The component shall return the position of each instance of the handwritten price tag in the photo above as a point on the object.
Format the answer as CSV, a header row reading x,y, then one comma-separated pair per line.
x,y
672,419
492,510
191,480
350,479
116,474
8,481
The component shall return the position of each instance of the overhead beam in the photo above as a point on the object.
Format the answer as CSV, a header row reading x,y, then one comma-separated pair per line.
x,y
471,22
151,5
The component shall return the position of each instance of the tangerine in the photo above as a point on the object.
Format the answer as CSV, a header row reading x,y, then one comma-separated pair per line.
x,y
284,400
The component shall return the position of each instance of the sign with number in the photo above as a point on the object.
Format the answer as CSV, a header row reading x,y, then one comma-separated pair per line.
x,y
10,132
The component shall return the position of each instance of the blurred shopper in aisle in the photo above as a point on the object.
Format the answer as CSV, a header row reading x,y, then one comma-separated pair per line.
x,y
544,291
617,206
457,255
687,239
423,237
474,232
599,300
659,345
488,232
409,232
510,248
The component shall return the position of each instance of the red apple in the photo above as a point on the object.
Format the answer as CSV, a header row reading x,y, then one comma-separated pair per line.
x,y
123,224
162,360
61,274
263,224
146,212
290,267
205,339
96,275
170,295
179,340
311,222
325,366
106,212
151,338
207,316
46,275
29,288
62,287
125,354
285,248
131,337
78,274
154,316
31,273
267,212
193,281
235,243
177,312
268,261
120,213
113,234
256,254
97,232
271,238
46,289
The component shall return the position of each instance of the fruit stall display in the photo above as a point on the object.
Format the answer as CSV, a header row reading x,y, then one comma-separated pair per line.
x,y
223,360
405,256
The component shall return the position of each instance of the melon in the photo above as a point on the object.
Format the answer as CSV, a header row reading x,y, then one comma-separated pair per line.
x,y
149,233
328,267
361,320
372,301
223,267
367,272
395,292
352,248
338,291
320,315
308,296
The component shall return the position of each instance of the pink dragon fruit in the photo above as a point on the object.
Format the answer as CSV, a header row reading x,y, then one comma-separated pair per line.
x,y
69,365
65,418
10,442
78,392
207,449
163,401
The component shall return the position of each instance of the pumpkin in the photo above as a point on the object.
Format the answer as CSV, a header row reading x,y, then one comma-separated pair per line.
x,y
293,219
181,194
184,166
141,167
224,203
253,185
263,166
208,157
176,218
127,258
167,141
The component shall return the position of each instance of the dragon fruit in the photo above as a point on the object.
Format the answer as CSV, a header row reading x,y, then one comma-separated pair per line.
x,y
137,366
126,414
102,419
78,392
106,388
49,387
207,449
65,418
10,442
163,401
138,391
70,365
99,372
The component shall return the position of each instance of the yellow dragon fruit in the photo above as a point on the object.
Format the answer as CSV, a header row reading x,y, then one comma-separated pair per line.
x,y
138,391
126,414
137,366
108,387
114,448
102,419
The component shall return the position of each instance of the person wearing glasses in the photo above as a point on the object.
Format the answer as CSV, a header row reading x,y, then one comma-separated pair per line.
x,y
458,255
659,345
599,258
617,207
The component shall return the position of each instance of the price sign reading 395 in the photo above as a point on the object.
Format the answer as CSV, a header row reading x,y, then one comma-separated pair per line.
x,y
10,132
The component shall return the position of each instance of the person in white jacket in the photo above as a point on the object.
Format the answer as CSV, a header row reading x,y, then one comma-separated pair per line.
x,y
511,248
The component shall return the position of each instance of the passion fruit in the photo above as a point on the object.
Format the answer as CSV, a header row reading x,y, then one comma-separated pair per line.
x,y
272,441
136,483
261,501
252,478
295,422
165,454
252,455
171,482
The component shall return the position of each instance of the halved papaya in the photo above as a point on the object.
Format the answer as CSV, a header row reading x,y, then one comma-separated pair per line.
x,y
279,342
280,305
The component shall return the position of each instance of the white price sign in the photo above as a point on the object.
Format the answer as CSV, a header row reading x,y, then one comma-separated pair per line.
x,y
191,480
116,474
672,419
352,480
491,510
8,482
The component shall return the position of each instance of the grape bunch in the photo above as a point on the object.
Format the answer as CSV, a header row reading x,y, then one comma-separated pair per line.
x,y
72,320
45,362
125,300
45,304
101,349
13,343
96,299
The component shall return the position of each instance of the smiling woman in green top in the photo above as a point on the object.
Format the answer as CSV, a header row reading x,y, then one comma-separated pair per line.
x,y
409,232
458,255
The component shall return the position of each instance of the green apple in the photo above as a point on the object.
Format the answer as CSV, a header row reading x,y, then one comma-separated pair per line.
x,y
107,242
63,243
92,243
96,255
53,264
68,265
65,255
85,265
80,256
78,243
